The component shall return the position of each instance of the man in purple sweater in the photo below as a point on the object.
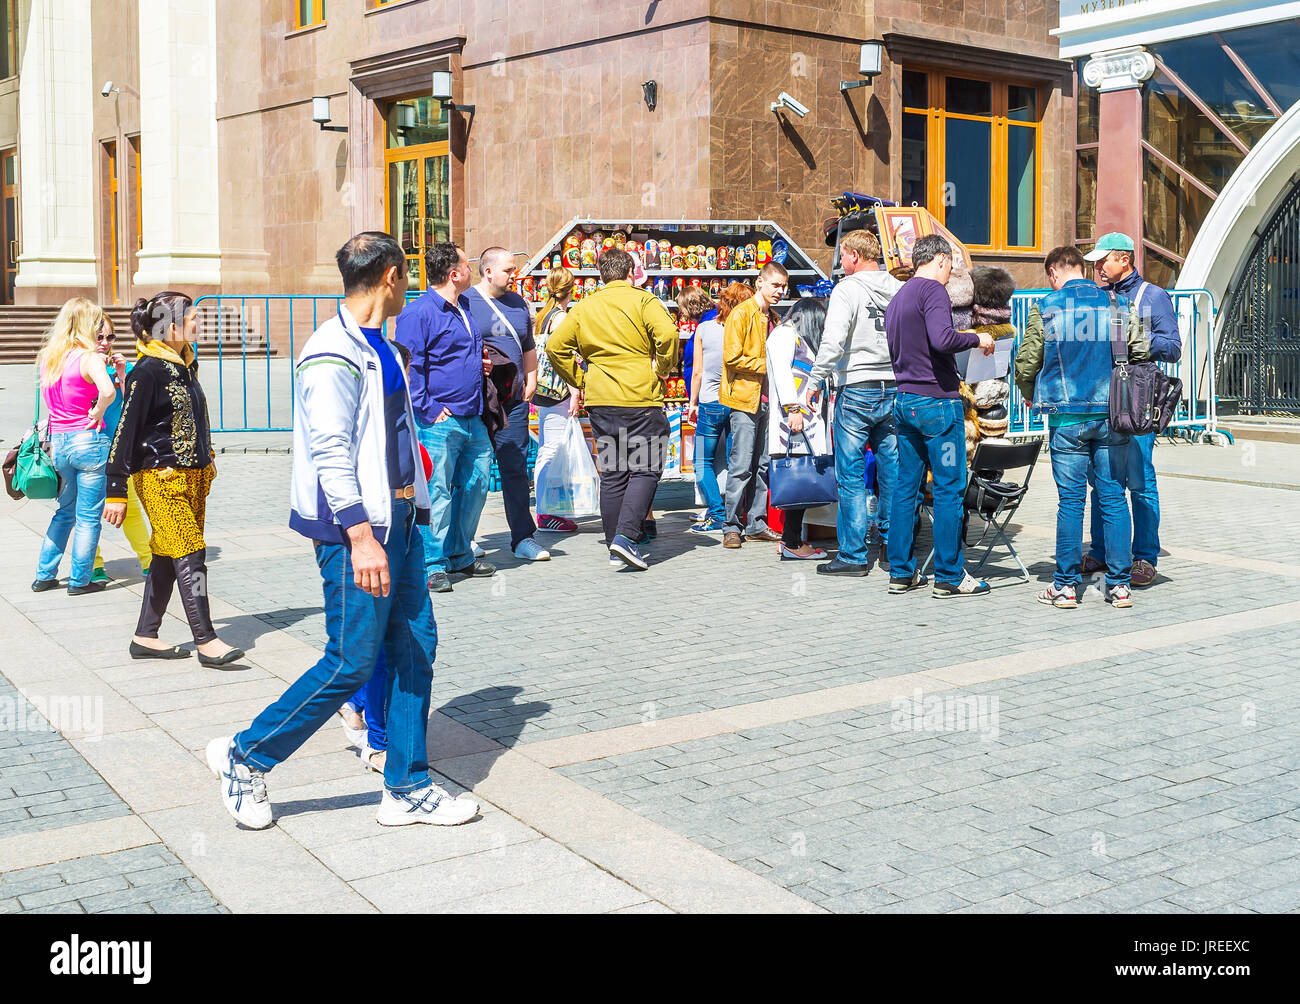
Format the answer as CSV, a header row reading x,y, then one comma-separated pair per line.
x,y
931,421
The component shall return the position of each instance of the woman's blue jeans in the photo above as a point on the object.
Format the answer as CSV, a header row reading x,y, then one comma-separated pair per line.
x,y
81,459
710,433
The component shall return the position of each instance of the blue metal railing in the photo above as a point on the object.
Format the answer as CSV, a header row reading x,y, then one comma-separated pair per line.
x,y
264,330
1197,413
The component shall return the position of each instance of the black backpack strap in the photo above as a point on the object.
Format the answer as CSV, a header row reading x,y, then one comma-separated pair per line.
x,y
1118,336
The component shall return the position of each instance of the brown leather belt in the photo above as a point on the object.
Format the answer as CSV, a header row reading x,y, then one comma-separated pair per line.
x,y
404,493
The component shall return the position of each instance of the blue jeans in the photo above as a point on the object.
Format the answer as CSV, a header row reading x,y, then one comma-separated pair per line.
x,y
371,702
1145,498
931,431
462,462
1083,453
81,459
864,416
358,627
747,465
710,431
511,447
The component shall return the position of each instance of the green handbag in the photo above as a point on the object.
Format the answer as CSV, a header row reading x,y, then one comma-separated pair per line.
x,y
34,473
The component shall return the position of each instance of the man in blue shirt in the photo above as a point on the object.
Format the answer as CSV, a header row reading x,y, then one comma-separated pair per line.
x,y
506,321
447,366
1114,259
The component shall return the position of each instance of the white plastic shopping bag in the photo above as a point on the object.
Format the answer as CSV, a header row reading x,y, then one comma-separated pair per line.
x,y
571,486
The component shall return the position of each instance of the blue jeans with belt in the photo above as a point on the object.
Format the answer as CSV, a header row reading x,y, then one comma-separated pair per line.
x,y
710,432
461,453
931,432
358,626
864,416
1145,497
81,459
1082,453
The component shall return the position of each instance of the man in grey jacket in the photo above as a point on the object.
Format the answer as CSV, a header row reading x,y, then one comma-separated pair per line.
x,y
855,354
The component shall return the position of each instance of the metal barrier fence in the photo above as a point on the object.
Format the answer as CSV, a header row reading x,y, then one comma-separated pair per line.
x,y
254,385
1197,413
253,340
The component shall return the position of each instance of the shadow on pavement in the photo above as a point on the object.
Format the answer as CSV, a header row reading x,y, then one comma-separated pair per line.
x,y
492,712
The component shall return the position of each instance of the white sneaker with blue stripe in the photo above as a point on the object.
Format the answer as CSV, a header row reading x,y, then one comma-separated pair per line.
x,y
243,790
425,805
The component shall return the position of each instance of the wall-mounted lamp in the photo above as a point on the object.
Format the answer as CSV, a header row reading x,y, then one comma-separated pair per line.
x,y
320,114
871,61
650,91
442,92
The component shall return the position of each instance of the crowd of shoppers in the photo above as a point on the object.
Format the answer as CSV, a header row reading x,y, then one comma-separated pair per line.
x,y
132,445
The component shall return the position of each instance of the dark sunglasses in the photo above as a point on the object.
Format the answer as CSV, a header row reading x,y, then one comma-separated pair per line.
x,y
106,338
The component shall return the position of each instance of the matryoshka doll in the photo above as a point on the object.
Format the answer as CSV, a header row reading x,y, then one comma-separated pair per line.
x,y
577,290
692,259
751,255
665,256
661,288
764,253
572,256
724,258
697,282
679,256
652,253
527,293
589,253
619,240
589,285
715,288
710,258
632,247
679,286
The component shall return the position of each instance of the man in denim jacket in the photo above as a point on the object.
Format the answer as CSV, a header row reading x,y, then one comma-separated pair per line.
x,y
1063,371
1114,259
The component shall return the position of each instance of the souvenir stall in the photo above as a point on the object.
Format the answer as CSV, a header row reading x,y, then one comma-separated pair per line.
x,y
676,254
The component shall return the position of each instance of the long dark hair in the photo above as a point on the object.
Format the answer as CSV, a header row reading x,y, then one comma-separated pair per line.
x,y
807,316
153,318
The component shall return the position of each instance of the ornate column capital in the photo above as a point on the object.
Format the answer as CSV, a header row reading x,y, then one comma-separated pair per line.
x,y
1120,69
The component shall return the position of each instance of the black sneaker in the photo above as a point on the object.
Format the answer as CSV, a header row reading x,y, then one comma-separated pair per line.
x,y
44,585
89,587
899,586
848,568
479,570
439,583
968,586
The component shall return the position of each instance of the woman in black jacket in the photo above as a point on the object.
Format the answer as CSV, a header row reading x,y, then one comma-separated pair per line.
x,y
164,445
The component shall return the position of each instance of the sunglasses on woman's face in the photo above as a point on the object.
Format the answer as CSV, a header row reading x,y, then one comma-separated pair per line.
x,y
107,338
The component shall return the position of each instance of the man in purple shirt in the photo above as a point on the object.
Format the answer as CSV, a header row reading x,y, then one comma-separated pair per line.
x,y
931,421
446,376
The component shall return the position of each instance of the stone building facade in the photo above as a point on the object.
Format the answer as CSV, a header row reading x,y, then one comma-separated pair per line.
x,y
202,167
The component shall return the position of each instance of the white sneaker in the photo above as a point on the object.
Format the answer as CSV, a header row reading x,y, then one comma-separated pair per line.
x,y
427,805
478,551
243,790
356,737
530,550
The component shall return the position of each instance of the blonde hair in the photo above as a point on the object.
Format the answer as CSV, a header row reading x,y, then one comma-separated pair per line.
x,y
863,243
75,327
559,284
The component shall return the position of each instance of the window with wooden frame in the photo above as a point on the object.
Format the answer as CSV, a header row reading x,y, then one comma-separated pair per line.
x,y
310,12
972,150
10,37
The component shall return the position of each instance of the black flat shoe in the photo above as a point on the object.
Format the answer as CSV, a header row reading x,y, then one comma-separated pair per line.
x,y
139,651
848,568
89,587
234,655
42,585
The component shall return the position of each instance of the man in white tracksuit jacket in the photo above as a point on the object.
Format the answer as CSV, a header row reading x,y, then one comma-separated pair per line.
x,y
359,495
855,355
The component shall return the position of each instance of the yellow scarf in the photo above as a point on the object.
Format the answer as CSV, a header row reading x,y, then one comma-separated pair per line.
x,y
161,350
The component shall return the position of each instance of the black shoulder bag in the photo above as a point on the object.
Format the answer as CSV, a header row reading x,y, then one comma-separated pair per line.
x,y
1143,398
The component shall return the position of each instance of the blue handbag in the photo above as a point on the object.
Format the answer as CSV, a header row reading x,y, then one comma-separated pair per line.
x,y
801,482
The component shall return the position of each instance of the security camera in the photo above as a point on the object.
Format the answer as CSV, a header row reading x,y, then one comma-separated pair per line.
x,y
784,100
107,89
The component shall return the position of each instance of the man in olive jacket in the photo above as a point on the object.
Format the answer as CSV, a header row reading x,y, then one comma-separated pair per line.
x,y
629,345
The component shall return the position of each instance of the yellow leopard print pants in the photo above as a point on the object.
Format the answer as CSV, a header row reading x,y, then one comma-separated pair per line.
x,y
175,501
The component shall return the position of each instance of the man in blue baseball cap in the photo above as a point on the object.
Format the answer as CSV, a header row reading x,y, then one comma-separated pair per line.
x,y
1114,259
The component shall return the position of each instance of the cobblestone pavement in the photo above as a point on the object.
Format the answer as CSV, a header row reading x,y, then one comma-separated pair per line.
x,y
723,732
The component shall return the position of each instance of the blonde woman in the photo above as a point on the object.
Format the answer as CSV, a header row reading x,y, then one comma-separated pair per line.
x,y
77,391
135,526
164,446
556,401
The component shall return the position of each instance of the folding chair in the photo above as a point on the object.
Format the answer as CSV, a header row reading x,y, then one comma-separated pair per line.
x,y
993,500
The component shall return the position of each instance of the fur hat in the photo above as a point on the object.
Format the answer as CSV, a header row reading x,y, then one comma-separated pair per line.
x,y
994,286
961,318
987,393
961,288
988,316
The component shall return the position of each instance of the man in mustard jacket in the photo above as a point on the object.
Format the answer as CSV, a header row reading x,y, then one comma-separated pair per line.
x,y
744,391
629,345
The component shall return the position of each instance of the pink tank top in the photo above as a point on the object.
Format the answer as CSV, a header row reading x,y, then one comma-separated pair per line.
x,y
70,397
